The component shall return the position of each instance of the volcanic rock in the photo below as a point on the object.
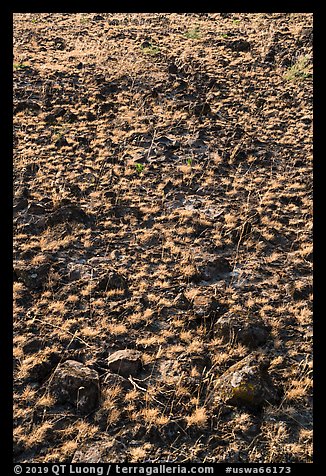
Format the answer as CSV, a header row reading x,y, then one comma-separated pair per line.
x,y
125,362
249,331
247,383
34,277
75,383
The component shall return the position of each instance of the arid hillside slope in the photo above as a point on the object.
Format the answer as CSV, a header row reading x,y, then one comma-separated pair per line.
x,y
162,237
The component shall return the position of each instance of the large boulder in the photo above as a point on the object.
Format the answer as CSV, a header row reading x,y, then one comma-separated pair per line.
x,y
247,383
77,384
250,331
125,362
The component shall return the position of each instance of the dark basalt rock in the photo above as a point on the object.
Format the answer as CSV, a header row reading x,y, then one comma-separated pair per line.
x,y
247,383
68,213
239,45
214,269
77,384
125,362
34,277
27,105
249,331
114,380
111,280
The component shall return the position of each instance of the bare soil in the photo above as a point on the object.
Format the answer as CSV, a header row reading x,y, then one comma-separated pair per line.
x,y
163,204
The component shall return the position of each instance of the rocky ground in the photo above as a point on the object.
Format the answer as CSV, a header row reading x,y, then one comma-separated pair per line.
x,y
162,237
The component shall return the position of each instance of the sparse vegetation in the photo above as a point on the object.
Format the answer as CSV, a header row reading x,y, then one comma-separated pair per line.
x,y
139,167
163,237
18,66
193,33
151,49
301,69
